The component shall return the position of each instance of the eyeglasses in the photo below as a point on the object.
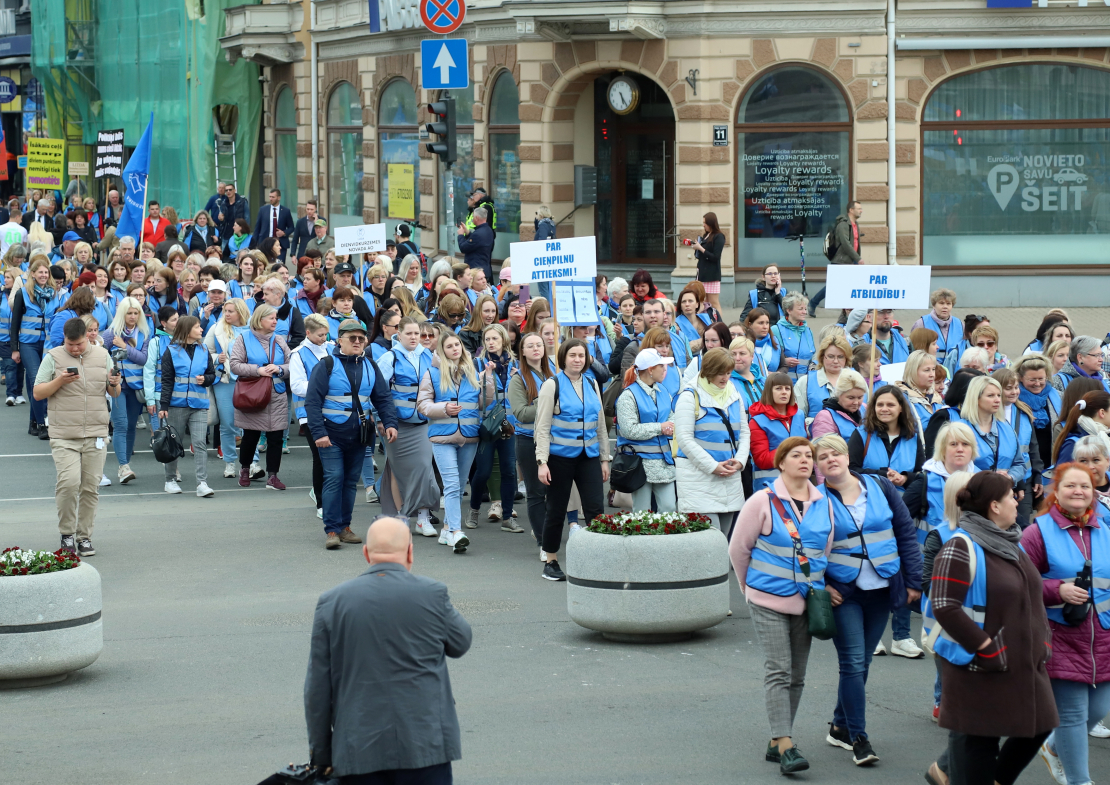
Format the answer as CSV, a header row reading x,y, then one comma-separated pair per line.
x,y
986,344
357,338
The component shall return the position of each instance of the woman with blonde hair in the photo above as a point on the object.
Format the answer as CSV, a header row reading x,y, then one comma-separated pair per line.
x,y
15,258
202,234
814,386
37,234
745,374
409,273
233,322
1057,355
843,410
996,441
918,381
127,339
82,253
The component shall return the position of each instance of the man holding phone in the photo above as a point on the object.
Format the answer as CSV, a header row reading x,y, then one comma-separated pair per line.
x,y
74,377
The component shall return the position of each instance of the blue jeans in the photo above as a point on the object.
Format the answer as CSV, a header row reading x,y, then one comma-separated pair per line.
x,y
125,414
368,466
225,407
1080,706
13,371
505,450
342,464
860,623
31,357
453,462
900,623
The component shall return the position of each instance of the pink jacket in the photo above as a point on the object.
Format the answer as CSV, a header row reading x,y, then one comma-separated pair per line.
x,y
1078,653
755,520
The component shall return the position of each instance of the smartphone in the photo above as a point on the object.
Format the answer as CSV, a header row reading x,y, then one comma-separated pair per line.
x,y
73,370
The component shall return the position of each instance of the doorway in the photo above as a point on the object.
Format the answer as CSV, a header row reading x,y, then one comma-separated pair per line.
x,y
635,215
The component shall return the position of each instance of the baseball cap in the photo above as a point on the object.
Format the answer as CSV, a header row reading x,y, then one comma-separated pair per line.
x,y
320,222
390,244
343,267
649,358
506,274
217,286
351,326
71,237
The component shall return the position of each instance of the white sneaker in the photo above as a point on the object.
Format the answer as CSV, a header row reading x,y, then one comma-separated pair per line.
x,y
172,487
312,495
125,475
177,476
444,537
458,541
1100,731
9,401
426,528
543,555
20,400
230,472
257,472
204,491
880,650
320,513
140,425
1055,767
520,487
104,481
575,528
495,511
907,648
443,502
371,495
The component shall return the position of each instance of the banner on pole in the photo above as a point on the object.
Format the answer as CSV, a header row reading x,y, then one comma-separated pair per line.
x,y
575,303
109,154
571,258
401,201
876,286
45,163
368,238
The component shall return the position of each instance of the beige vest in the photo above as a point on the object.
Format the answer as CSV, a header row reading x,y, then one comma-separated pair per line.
x,y
78,410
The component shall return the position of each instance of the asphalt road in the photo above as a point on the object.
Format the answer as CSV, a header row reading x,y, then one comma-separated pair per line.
x,y
207,613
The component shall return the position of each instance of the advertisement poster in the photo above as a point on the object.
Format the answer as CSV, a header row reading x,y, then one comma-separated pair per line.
x,y
401,200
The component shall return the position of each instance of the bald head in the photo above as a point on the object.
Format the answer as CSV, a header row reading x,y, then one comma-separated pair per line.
x,y
388,540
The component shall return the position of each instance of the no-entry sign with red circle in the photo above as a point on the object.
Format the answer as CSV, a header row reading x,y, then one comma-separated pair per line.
x,y
442,16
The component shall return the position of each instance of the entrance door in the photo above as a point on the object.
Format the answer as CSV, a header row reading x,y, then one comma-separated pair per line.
x,y
636,189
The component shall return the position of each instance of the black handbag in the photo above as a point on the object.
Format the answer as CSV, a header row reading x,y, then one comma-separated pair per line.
x,y
165,443
626,473
492,425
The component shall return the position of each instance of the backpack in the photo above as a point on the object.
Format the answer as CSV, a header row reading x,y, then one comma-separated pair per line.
x,y
830,247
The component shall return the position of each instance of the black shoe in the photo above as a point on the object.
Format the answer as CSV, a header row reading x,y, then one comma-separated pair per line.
x,y
812,313
85,548
772,754
44,433
862,754
519,497
68,544
552,572
33,429
838,737
791,761
434,519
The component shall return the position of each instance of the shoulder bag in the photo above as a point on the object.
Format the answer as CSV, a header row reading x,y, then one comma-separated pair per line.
x,y
819,610
495,423
253,394
626,474
165,443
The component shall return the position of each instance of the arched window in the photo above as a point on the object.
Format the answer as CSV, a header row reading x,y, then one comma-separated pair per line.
x,y
344,156
398,156
1014,168
463,170
285,148
793,137
504,163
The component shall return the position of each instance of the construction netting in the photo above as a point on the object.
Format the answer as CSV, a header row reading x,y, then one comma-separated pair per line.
x,y
108,64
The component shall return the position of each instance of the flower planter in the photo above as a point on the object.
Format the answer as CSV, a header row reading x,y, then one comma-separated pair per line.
x,y
49,625
648,588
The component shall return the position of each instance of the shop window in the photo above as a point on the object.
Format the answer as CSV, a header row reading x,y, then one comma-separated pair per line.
x,y
1015,169
398,156
285,148
344,157
462,172
504,163
793,138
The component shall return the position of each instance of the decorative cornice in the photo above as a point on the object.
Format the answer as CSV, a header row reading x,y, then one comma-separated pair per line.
x,y
999,24
257,49
641,27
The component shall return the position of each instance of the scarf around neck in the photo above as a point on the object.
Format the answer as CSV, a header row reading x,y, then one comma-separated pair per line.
x,y
44,294
1004,544
1037,403
721,396
942,323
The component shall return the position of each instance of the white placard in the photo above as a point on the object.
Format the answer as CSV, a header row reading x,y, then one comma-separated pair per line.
x,y
647,189
575,303
892,373
78,168
368,238
877,286
554,260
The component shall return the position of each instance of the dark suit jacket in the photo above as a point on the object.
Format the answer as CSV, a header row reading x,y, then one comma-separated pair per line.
x,y
262,226
304,232
477,248
377,694
29,218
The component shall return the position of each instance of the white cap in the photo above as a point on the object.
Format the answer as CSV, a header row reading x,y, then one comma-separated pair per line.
x,y
217,286
649,358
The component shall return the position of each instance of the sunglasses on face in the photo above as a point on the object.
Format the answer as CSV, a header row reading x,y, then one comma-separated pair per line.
x,y
986,344
455,316
357,338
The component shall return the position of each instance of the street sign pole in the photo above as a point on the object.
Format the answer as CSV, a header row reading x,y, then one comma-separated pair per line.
x,y
450,205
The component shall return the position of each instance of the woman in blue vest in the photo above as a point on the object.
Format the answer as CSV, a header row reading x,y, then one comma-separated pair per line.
x,y
757,326
342,308
163,291
985,609
917,385
1090,415
1069,533
645,424
572,447
304,358
794,338
716,336
844,409
713,443
290,323
745,376
814,385
874,568
524,390
1055,327
13,371
232,322
779,551
129,336
187,372
495,461
409,487
773,419
688,321
767,295
954,451
32,306
998,444
949,331
81,303
1020,417
1042,399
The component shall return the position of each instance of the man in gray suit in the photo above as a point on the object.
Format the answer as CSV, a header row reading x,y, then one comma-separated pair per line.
x,y
377,695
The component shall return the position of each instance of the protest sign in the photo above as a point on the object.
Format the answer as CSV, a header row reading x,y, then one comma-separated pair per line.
x,y
368,238
44,163
571,258
876,286
575,303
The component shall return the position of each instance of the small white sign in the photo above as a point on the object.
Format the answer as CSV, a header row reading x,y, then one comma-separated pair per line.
x,y
571,258
892,373
575,303
877,286
78,168
647,189
368,238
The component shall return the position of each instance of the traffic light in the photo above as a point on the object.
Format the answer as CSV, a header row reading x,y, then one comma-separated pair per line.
x,y
444,146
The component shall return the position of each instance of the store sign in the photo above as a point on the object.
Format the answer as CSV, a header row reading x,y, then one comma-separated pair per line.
x,y
389,15
792,189
8,90
1049,183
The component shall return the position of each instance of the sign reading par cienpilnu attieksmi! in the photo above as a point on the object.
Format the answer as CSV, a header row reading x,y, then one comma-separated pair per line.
x,y
568,258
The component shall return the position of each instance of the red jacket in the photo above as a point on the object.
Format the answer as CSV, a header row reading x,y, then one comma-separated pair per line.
x,y
157,235
1078,653
762,453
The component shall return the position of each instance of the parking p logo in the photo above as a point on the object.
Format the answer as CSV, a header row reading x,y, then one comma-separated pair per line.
x,y
1003,182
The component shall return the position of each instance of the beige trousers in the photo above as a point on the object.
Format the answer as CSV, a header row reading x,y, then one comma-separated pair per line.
x,y
80,465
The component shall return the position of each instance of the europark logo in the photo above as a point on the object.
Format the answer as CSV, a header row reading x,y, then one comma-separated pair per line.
x,y
1062,193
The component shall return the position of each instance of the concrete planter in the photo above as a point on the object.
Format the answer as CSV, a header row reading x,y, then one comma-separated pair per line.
x,y
648,588
49,626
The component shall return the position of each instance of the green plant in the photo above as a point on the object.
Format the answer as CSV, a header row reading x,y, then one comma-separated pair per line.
x,y
646,522
16,561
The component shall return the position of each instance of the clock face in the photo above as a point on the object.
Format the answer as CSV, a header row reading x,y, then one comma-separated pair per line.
x,y
623,95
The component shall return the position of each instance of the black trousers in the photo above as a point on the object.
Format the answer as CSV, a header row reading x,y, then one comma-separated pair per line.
x,y
978,760
317,470
535,492
582,471
440,774
273,449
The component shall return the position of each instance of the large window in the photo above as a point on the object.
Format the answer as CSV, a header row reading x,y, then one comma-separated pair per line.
x,y
1015,168
504,163
462,172
398,156
285,149
344,156
793,136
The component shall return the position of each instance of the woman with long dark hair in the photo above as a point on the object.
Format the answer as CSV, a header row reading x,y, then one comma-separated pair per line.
x,y
1089,416
524,389
708,249
757,326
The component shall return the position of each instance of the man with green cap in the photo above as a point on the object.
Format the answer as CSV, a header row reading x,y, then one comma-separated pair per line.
x,y
322,242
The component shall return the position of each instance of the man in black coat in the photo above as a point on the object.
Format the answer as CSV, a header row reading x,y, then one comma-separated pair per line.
x,y
305,231
274,220
40,215
476,244
230,207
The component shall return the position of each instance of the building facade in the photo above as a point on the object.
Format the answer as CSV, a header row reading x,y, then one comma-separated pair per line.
x,y
770,115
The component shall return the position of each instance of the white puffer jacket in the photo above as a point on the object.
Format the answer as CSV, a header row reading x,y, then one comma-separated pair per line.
x,y
699,490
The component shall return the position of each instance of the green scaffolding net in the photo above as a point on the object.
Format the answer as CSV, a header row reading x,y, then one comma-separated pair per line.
x,y
108,64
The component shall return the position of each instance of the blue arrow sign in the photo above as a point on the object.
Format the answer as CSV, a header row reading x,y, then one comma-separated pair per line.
x,y
444,64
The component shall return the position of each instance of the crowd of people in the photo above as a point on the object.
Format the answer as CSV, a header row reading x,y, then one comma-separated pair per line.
x,y
947,490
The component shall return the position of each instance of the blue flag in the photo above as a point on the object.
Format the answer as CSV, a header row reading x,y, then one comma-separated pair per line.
x,y
134,180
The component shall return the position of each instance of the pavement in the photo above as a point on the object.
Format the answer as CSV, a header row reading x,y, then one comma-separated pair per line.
x,y
207,614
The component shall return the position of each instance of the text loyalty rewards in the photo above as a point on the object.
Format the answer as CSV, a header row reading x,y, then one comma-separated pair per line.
x,y
558,265
878,293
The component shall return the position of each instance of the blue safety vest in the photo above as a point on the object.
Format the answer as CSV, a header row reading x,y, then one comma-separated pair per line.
x,y
795,344
875,542
1007,445
775,566
671,384
257,355
902,460
5,318
777,433
466,396
688,329
339,402
187,394
309,361
284,325
934,510
751,392
816,394
133,372
925,412
651,411
711,429
845,426
933,636
753,298
1022,425
679,346
768,355
574,426
523,428
1065,560
899,350
334,322
944,345
405,383
601,348
33,327
304,306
